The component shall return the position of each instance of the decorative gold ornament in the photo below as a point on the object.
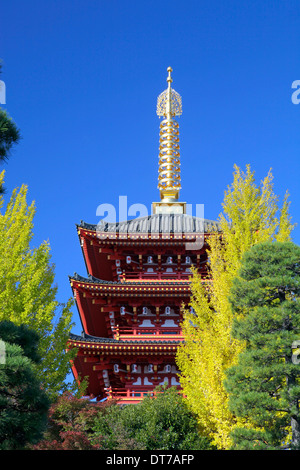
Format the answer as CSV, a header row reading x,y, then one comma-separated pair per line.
x,y
169,101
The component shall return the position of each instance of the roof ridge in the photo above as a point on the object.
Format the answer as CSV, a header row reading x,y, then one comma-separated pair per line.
x,y
157,223
95,280
99,339
92,279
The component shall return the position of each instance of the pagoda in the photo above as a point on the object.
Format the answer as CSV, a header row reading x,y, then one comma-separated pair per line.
x,y
132,300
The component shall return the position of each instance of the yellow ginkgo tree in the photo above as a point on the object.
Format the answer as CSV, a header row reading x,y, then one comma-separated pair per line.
x,y
28,293
251,214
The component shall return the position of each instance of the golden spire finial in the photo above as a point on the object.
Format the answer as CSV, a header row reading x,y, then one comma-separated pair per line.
x,y
169,79
169,105
169,95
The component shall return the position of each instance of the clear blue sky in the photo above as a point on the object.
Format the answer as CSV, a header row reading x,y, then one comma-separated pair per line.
x,y
82,78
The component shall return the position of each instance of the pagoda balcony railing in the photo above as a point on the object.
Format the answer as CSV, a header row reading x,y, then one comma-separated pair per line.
x,y
155,275
147,332
132,395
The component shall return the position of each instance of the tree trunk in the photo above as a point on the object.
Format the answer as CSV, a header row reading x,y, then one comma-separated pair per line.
x,y
295,424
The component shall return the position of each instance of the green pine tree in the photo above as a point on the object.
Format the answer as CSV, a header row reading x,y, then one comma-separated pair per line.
x,y
264,385
23,403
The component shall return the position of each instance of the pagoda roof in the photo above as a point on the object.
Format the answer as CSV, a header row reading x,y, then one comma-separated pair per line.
x,y
96,288
157,223
85,338
93,280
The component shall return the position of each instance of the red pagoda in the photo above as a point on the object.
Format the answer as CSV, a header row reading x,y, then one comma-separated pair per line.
x,y
131,302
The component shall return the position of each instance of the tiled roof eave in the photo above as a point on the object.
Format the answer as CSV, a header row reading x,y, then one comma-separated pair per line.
x,y
100,340
93,280
156,224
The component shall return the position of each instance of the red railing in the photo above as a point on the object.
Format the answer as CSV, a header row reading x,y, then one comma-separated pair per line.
x,y
146,332
155,275
131,396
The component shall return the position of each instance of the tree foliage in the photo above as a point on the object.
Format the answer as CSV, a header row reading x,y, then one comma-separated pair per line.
x,y
251,214
9,136
162,423
28,293
23,404
69,424
264,385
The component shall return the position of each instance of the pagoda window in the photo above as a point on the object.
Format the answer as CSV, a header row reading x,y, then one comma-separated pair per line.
x,y
169,260
116,368
169,311
150,368
146,324
169,324
167,368
106,381
165,380
112,318
174,381
138,381
105,378
147,311
128,259
169,270
118,263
